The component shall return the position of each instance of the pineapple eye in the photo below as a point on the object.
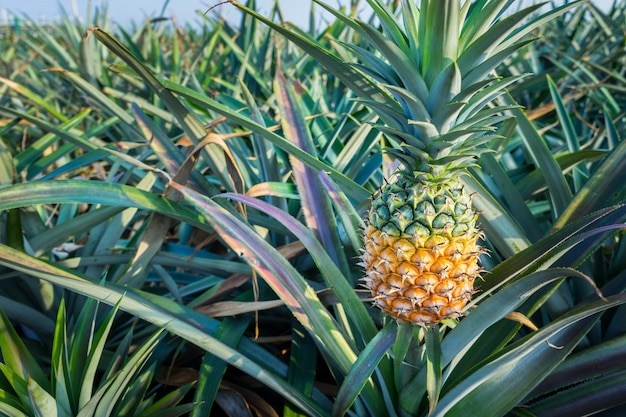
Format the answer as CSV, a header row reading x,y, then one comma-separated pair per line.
x,y
461,209
459,270
422,318
442,220
384,290
427,280
404,249
463,291
391,230
444,204
417,230
425,207
401,305
409,272
454,249
388,257
396,281
383,214
415,294
396,200
445,287
437,241
404,212
441,201
441,265
381,303
371,247
374,236
460,229
453,309
435,302
423,259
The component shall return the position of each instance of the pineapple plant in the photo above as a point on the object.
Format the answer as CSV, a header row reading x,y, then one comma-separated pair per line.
x,y
436,106
421,240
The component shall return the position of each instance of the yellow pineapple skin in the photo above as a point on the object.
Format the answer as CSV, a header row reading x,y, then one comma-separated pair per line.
x,y
421,250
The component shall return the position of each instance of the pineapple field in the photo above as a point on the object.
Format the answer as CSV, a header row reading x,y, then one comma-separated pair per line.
x,y
415,208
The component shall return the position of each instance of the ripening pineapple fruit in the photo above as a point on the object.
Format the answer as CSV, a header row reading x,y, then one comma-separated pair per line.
x,y
421,251
434,91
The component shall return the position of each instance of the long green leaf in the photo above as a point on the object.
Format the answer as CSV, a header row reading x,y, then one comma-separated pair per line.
x,y
187,120
585,365
91,192
60,372
571,136
434,380
468,331
604,188
592,396
29,316
42,402
131,368
522,366
35,151
17,357
498,224
303,365
348,75
93,345
212,369
285,281
34,97
8,408
163,313
560,193
439,37
350,187
363,368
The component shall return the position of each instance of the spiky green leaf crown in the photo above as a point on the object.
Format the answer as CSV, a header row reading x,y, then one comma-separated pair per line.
x,y
435,63
428,72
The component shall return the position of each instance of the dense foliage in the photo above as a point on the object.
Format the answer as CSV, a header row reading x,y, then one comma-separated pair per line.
x,y
181,210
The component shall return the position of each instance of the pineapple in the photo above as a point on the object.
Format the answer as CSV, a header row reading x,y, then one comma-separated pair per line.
x,y
421,251
435,99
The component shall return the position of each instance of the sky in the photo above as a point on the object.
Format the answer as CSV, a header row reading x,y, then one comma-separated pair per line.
x,y
125,11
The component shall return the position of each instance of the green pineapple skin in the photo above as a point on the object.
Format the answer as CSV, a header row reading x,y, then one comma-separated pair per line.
x,y
416,206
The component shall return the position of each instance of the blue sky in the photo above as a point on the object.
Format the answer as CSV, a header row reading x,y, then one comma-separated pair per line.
x,y
123,11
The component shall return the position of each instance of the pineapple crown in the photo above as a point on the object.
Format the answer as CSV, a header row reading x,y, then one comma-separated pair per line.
x,y
429,75
428,72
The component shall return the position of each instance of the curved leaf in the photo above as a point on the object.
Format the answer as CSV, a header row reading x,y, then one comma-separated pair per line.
x,y
162,312
460,340
363,368
523,365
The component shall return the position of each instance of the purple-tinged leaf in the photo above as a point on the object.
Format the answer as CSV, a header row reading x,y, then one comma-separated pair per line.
x,y
333,277
363,368
524,365
316,208
286,282
464,336
284,279
549,246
